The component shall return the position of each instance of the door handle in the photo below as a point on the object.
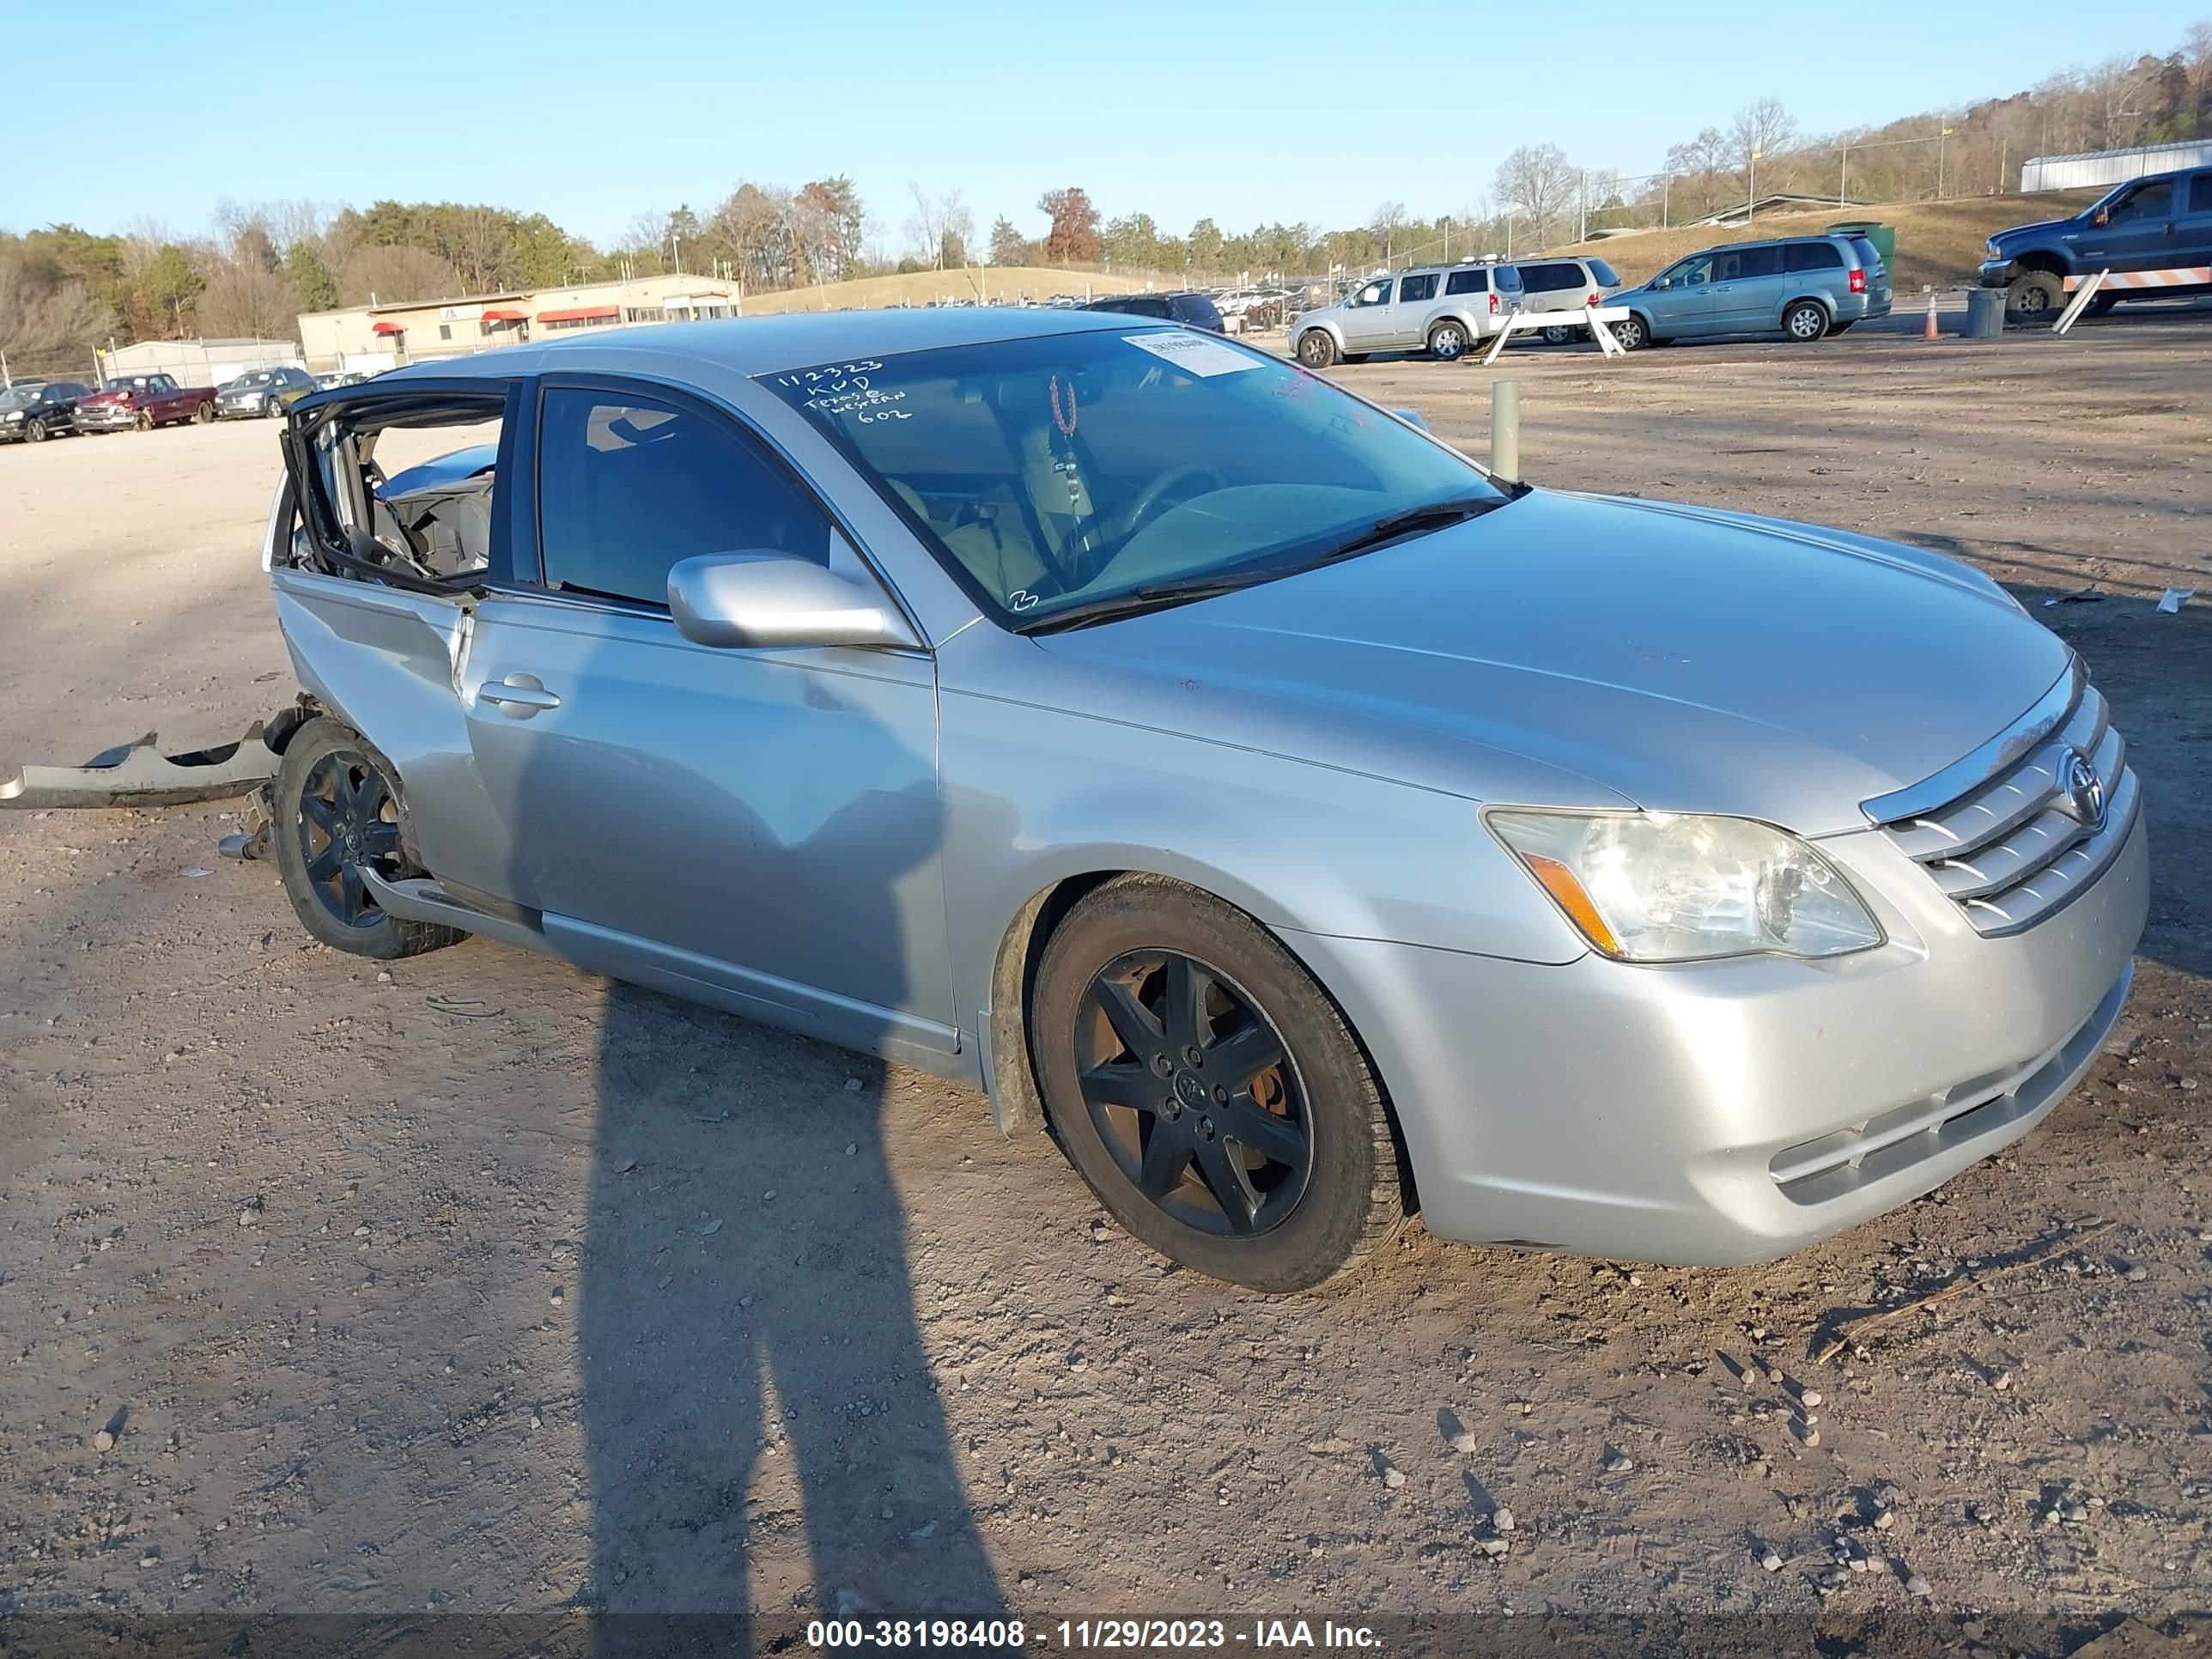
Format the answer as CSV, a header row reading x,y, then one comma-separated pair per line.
x,y
518,695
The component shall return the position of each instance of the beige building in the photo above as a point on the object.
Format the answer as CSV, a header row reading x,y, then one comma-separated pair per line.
x,y
380,336
196,362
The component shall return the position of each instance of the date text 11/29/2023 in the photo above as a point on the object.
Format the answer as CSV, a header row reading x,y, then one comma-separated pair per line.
x,y
1121,1635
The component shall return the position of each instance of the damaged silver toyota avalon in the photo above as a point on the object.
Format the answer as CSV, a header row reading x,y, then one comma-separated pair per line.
x,y
1214,767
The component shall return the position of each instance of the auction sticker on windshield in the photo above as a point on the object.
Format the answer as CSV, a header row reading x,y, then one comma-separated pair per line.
x,y
1193,354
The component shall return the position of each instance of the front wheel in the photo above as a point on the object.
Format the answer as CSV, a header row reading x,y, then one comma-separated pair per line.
x,y
1316,348
1208,1089
146,421
1448,342
36,432
336,813
1632,332
1804,322
2033,298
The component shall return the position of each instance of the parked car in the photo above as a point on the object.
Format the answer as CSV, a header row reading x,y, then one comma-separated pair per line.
x,y
2162,222
144,401
1444,309
261,394
1565,283
1193,310
1800,287
1138,727
338,377
31,411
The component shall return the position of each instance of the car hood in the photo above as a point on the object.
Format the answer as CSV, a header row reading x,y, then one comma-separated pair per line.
x,y
1579,650
2041,227
114,395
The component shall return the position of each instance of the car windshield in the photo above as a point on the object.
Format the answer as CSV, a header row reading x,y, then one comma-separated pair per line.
x,y
1071,472
19,396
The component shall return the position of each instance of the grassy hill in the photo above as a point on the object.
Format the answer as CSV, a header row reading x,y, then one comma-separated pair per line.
x,y
1938,243
1009,282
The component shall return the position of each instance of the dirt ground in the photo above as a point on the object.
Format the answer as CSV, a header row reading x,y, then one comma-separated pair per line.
x,y
482,1285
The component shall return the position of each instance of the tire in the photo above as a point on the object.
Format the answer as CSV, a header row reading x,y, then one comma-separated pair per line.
x,y
1449,341
146,421
2033,298
1804,322
271,407
1556,336
1316,348
36,431
202,413
1632,331
1325,1192
363,807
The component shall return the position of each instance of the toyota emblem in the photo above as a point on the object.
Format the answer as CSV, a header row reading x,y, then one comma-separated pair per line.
x,y
2085,790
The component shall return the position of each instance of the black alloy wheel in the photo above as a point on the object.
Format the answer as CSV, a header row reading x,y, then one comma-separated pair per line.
x,y
1192,1091
349,822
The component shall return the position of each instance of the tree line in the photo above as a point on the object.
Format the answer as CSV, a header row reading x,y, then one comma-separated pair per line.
x,y
64,290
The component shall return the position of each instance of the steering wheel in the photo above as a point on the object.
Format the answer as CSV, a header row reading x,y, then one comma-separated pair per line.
x,y
1148,502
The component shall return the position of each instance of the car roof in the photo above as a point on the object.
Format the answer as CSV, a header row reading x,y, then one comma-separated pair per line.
x,y
763,345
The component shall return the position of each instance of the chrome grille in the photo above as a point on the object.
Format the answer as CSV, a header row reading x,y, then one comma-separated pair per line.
x,y
2012,849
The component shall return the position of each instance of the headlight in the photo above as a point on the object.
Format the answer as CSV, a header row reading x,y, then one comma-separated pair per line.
x,y
1993,250
1660,887
12,415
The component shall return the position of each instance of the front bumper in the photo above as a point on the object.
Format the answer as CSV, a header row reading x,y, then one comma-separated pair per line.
x,y
1999,273
107,417
1722,1113
243,408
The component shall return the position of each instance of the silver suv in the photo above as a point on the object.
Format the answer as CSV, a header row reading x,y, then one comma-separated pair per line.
x,y
1444,309
1566,284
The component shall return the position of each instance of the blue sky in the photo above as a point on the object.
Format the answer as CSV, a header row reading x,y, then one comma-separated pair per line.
x,y
594,112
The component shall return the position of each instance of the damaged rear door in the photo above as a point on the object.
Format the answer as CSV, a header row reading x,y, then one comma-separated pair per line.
x,y
387,654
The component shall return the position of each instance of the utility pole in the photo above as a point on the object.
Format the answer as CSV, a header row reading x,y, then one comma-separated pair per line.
x,y
1941,133
1750,189
1582,202
1666,197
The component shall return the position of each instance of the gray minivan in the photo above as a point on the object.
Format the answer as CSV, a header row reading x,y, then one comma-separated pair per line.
x,y
1801,287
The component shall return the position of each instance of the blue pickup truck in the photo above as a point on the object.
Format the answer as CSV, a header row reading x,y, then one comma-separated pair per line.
x,y
2162,222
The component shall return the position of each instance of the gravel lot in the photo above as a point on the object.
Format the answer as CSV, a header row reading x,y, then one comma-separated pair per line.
x,y
480,1285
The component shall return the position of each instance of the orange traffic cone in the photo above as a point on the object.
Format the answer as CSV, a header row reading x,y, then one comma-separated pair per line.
x,y
1931,333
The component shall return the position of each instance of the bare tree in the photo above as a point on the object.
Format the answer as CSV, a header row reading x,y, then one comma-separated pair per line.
x,y
924,226
243,299
956,227
487,252
1763,127
393,275
44,324
1538,181
1389,222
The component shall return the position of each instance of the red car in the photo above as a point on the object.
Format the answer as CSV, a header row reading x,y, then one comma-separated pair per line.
x,y
144,401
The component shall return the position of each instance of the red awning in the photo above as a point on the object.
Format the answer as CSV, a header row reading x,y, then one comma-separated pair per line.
x,y
506,316
581,314
387,328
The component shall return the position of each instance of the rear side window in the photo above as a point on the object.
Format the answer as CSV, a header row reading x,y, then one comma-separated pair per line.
x,y
2200,193
1869,255
1196,308
1411,288
1813,256
1740,265
1509,280
626,488
1551,279
1467,282
1604,274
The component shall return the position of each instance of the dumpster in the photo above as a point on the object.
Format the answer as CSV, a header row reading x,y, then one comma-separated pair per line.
x,y
1884,238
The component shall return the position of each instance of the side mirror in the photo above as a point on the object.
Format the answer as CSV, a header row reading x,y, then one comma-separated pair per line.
x,y
1662,282
743,600
2103,216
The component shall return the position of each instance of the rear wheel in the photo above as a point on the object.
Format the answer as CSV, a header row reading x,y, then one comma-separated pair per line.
x,y
202,413
1448,341
2033,298
1554,335
1804,322
1316,348
270,407
1208,1089
337,814
1632,331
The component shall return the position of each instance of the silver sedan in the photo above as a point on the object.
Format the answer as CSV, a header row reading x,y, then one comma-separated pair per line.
x,y
1214,767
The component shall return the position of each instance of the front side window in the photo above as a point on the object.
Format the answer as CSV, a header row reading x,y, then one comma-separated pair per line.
x,y
2151,202
627,487
1412,289
1375,293
1693,272
1055,472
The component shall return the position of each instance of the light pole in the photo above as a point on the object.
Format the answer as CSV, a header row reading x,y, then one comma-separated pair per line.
x,y
1941,133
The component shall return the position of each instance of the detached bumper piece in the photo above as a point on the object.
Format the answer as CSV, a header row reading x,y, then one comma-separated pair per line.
x,y
139,774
